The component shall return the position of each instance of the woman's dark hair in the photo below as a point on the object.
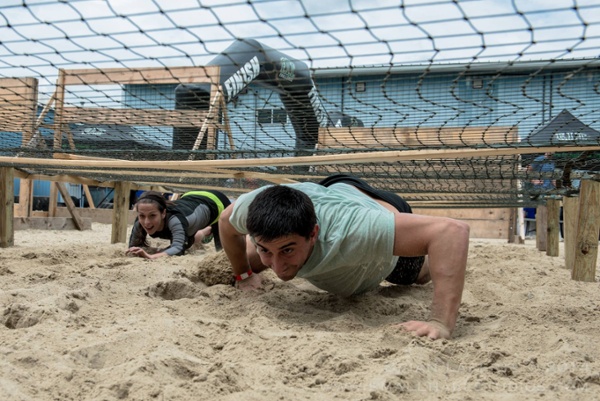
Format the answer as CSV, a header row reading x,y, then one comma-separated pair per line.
x,y
279,211
153,198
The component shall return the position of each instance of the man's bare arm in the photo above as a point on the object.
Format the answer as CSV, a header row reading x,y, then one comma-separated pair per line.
x,y
234,243
446,242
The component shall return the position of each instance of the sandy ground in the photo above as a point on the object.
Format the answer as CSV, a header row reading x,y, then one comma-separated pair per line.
x,y
81,321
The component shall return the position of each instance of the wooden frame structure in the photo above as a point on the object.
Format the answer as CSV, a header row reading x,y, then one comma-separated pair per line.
x,y
208,125
18,109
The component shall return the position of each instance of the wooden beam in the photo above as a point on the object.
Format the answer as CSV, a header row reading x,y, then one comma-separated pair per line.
x,y
103,216
25,197
541,228
221,171
120,209
588,228
59,109
88,196
369,138
7,197
21,94
226,127
47,106
149,75
366,157
80,180
75,179
130,117
512,226
570,220
553,206
208,121
58,124
70,205
211,140
18,105
51,223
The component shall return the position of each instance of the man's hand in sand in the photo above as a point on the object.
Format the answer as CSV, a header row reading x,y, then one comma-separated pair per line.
x,y
254,282
432,329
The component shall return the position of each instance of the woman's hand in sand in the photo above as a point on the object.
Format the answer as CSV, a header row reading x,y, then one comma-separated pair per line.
x,y
432,329
137,251
254,282
141,253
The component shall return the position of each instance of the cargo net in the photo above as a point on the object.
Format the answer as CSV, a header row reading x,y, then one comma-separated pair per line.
x,y
449,104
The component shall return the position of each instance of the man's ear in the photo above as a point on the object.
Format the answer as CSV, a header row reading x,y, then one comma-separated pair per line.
x,y
314,234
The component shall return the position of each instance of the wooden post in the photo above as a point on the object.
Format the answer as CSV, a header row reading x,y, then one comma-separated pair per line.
x,y
120,209
59,104
521,225
7,194
512,222
226,125
208,125
29,130
588,228
541,227
70,205
570,220
553,206
88,196
25,205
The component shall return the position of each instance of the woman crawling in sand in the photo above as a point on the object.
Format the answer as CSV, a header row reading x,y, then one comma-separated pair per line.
x,y
192,218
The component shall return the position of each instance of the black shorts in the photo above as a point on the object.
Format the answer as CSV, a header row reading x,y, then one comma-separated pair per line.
x,y
407,268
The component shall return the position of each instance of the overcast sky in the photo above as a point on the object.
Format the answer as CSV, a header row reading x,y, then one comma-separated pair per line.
x,y
43,35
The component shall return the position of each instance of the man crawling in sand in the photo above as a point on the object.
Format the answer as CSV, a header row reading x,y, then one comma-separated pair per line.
x,y
346,237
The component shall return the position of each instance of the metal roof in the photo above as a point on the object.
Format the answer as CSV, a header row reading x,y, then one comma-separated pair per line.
x,y
470,68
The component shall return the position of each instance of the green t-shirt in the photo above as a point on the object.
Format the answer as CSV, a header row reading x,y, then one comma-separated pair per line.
x,y
354,251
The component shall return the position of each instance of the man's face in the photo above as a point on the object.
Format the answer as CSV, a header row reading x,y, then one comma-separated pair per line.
x,y
286,255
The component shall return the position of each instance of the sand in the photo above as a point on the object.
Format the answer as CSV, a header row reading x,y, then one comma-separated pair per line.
x,y
79,320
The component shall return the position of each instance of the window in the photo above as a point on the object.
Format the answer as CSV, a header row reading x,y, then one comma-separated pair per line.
x,y
279,116
264,116
477,83
271,116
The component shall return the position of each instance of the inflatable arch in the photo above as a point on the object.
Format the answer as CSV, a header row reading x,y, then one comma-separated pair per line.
x,y
248,61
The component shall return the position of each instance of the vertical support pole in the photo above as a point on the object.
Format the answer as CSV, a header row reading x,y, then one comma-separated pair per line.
x,y
88,196
553,206
226,124
521,225
70,205
570,220
29,130
588,228
512,223
25,205
120,212
7,203
58,123
541,227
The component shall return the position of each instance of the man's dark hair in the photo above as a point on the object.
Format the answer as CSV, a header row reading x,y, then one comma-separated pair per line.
x,y
279,211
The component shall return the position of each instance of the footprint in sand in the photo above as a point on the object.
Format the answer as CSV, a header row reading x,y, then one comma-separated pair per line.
x,y
19,316
175,289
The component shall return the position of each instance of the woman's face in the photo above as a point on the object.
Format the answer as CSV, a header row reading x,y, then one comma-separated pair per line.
x,y
150,218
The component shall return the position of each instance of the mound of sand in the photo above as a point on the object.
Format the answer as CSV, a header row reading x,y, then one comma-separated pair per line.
x,y
79,320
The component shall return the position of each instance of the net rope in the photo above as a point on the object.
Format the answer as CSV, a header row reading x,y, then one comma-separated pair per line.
x,y
450,104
